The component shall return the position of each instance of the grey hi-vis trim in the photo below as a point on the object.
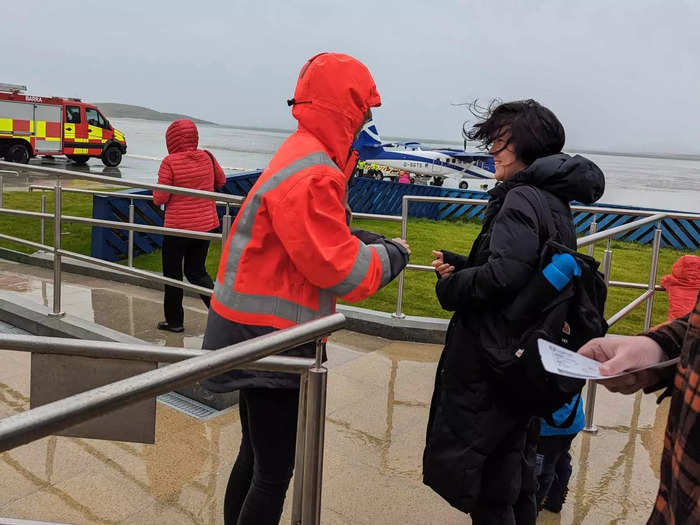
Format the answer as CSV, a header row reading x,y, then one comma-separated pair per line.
x,y
357,273
386,262
265,304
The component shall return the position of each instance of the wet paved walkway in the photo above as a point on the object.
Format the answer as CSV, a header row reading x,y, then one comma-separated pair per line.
x,y
379,391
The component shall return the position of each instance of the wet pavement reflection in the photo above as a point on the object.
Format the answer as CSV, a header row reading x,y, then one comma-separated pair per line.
x,y
378,398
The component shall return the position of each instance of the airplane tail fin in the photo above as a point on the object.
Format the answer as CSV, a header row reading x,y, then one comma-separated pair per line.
x,y
368,137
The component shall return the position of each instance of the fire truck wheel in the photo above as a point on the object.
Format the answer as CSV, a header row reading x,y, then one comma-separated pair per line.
x,y
18,153
112,156
79,159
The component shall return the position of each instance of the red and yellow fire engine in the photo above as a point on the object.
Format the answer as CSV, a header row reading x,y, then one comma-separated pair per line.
x,y
31,126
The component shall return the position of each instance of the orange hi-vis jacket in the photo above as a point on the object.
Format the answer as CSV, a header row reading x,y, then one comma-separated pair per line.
x,y
290,252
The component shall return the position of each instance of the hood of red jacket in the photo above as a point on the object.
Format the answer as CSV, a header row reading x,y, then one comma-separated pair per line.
x,y
332,96
182,135
684,272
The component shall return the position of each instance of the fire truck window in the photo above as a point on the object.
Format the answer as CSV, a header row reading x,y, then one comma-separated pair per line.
x,y
91,115
95,118
73,114
102,121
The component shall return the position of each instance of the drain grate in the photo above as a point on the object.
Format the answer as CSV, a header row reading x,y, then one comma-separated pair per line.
x,y
188,406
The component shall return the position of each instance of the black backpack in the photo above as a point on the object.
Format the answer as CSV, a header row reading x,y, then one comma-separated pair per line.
x,y
570,319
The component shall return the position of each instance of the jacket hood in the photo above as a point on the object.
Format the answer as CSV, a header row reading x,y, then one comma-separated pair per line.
x,y
569,178
332,96
182,135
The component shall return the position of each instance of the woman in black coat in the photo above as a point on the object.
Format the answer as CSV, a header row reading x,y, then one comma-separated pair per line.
x,y
480,451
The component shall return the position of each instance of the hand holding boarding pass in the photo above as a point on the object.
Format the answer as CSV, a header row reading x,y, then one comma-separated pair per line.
x,y
559,360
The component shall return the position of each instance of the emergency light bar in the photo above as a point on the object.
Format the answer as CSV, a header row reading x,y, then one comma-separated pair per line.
x,y
12,88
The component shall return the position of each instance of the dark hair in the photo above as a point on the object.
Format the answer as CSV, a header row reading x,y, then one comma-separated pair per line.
x,y
534,130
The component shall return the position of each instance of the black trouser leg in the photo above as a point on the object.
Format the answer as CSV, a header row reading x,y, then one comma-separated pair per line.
x,y
242,473
195,265
525,509
270,432
550,448
172,255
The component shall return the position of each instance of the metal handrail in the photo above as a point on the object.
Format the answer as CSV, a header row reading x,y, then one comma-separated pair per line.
x,y
135,271
42,421
112,266
629,307
606,234
138,352
576,207
131,227
119,194
588,240
105,193
161,230
176,190
257,353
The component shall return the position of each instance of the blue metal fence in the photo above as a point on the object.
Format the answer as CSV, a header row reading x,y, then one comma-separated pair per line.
x,y
112,245
369,196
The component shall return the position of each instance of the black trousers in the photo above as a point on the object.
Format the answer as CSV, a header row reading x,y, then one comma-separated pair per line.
x,y
260,477
193,252
554,469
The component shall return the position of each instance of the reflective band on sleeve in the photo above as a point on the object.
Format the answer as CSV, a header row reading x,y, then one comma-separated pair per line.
x,y
250,303
386,262
357,273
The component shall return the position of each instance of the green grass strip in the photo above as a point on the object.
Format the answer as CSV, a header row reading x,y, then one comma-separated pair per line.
x,y
630,261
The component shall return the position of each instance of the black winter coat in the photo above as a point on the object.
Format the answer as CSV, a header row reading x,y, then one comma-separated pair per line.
x,y
474,442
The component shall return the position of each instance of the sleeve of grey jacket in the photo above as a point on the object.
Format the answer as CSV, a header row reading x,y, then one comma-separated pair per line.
x,y
366,236
394,257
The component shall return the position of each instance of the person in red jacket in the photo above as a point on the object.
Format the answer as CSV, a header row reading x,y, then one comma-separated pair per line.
x,y
290,253
188,167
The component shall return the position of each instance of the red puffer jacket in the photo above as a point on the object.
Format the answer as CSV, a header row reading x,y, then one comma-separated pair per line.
x,y
188,167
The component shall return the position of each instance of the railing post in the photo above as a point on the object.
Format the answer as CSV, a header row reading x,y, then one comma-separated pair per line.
x,y
592,385
56,247
593,228
404,227
313,442
131,234
2,182
43,221
656,246
299,455
225,226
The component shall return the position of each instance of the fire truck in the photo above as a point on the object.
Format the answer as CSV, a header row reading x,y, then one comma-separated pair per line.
x,y
49,126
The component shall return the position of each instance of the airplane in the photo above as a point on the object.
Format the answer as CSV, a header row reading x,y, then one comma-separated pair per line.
x,y
441,164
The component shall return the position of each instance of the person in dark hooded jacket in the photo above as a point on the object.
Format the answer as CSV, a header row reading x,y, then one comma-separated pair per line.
x,y
289,255
480,453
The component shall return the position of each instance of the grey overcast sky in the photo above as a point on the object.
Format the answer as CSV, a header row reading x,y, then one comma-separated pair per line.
x,y
621,76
